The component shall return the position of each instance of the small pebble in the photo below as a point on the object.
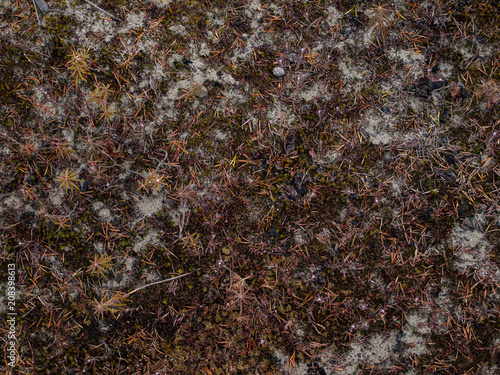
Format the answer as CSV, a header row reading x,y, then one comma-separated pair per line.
x,y
278,72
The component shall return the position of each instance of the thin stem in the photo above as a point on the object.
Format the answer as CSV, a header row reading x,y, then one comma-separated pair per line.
x,y
36,11
160,282
102,10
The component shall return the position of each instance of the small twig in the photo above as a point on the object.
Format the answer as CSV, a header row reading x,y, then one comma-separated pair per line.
x,y
36,10
44,8
160,282
163,161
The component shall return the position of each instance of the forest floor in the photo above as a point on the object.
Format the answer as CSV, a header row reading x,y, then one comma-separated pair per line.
x,y
250,187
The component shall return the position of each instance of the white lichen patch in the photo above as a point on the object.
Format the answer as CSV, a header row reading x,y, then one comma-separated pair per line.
x,y
334,16
150,238
300,237
133,21
379,127
352,74
56,198
149,205
328,158
103,212
13,202
473,249
409,59
220,136
161,3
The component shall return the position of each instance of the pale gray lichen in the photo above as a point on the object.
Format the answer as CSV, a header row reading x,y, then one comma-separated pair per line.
x,y
278,72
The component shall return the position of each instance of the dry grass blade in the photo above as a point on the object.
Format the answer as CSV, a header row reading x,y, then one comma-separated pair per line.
x,y
116,302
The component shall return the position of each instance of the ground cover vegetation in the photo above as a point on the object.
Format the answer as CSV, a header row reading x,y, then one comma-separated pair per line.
x,y
342,217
